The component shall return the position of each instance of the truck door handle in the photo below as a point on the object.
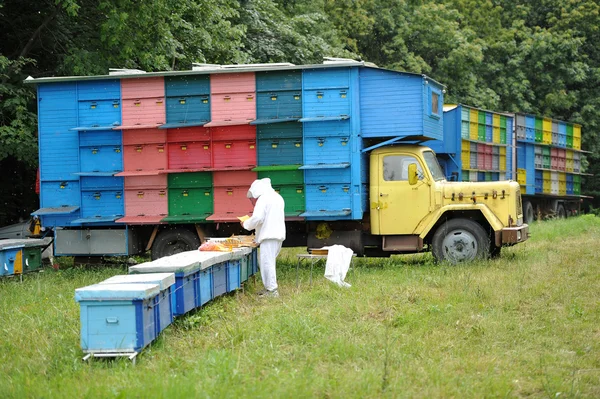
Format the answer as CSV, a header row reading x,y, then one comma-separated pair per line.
x,y
383,195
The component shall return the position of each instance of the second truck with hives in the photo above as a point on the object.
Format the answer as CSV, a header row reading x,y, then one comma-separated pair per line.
x,y
543,154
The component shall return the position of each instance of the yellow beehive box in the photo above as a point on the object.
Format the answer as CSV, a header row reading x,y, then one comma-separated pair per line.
x,y
522,177
547,188
547,135
473,124
496,128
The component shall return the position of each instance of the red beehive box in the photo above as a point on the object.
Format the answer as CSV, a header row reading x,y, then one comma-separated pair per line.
x,y
488,157
562,158
234,147
230,200
237,132
146,199
189,149
233,99
481,155
144,136
144,152
143,102
140,158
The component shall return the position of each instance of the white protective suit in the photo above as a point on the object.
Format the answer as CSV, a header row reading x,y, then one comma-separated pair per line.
x,y
268,221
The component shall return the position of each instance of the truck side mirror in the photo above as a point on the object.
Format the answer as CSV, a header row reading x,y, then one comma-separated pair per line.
x,y
412,174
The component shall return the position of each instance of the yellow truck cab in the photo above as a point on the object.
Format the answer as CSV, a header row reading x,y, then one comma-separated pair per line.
x,y
413,206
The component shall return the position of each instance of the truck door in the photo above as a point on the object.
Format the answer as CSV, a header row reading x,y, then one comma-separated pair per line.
x,y
401,206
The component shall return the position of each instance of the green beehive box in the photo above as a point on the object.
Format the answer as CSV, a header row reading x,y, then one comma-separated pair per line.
x,y
502,135
32,259
189,204
539,130
546,159
464,124
283,177
465,175
189,180
481,126
570,136
294,198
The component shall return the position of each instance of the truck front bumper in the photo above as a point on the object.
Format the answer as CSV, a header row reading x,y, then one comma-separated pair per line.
x,y
512,235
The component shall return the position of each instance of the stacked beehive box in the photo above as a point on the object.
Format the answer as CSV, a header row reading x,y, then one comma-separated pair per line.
x,y
548,156
479,142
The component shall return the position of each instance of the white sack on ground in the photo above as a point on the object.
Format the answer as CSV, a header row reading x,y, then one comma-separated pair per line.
x,y
338,262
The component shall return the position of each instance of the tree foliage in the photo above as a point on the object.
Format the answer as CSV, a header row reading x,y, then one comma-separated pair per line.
x,y
512,55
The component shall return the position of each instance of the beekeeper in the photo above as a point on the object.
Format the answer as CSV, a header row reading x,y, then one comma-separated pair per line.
x,y
268,221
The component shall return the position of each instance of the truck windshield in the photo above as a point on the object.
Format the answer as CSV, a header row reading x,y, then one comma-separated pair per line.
x,y
433,165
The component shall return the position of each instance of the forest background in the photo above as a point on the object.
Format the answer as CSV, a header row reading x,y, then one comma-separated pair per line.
x,y
534,56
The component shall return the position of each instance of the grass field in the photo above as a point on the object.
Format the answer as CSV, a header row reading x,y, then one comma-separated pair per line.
x,y
524,325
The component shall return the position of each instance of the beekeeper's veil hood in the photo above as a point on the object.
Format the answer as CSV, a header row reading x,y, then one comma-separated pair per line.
x,y
259,187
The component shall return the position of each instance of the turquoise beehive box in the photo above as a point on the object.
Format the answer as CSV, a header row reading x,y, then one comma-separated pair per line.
x,y
117,318
164,301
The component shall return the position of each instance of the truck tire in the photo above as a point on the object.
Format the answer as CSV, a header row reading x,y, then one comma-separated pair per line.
x,y
460,240
528,212
560,212
173,241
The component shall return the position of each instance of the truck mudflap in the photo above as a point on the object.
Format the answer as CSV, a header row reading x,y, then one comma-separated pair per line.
x,y
512,235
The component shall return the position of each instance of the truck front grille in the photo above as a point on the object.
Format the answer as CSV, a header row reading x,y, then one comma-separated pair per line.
x,y
519,208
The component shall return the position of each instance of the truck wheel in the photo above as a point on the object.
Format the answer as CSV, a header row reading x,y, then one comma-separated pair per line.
x,y
460,240
173,241
528,213
560,212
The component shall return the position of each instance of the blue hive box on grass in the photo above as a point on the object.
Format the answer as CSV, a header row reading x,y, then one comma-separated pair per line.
x,y
186,273
193,286
210,262
117,318
165,300
240,259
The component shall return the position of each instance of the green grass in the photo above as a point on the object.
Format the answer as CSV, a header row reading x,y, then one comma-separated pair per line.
x,y
524,325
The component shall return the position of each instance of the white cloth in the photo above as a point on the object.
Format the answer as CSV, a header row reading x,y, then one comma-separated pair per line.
x,y
268,217
338,263
269,249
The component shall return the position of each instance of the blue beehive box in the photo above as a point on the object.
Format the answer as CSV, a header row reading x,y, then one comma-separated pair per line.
x,y
7,261
99,104
244,256
233,274
278,96
280,144
117,318
186,272
205,283
164,301
188,101
189,278
219,277
100,152
102,199
207,262
254,261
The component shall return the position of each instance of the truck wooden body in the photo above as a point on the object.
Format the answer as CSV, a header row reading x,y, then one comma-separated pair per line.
x,y
157,161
